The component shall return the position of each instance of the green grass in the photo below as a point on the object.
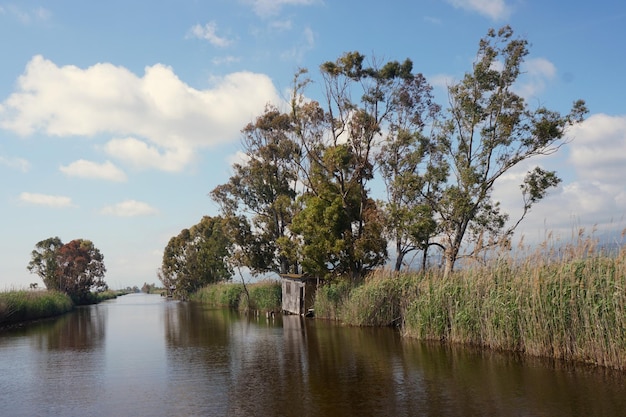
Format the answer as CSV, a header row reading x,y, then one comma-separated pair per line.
x,y
264,296
21,306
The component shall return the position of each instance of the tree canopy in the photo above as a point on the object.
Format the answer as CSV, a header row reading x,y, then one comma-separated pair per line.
x,y
75,268
301,201
196,257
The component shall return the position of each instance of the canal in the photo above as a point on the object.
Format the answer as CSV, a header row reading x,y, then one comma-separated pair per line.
x,y
142,355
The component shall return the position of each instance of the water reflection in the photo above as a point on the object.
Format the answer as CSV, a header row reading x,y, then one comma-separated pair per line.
x,y
144,356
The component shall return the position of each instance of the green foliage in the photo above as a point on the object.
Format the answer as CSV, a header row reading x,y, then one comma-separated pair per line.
x,y
330,297
21,306
301,202
380,301
264,296
44,262
264,185
75,268
196,257
219,295
572,307
487,131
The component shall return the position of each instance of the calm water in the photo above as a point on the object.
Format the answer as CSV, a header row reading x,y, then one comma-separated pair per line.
x,y
141,355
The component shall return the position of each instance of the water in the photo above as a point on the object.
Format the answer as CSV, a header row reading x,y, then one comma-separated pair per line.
x,y
141,355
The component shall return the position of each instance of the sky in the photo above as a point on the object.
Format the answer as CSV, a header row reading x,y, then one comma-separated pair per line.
x,y
118,118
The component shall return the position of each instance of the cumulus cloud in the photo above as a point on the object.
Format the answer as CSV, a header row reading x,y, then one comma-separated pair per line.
x,y
19,164
208,32
55,201
93,170
143,156
494,9
129,208
265,8
157,111
598,149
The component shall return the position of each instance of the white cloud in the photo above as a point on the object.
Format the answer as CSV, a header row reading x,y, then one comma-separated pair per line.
x,y
129,208
536,73
94,170
15,163
598,149
141,155
55,201
169,117
238,157
208,32
494,9
266,8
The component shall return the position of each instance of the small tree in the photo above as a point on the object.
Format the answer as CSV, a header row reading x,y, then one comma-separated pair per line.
x,y
75,268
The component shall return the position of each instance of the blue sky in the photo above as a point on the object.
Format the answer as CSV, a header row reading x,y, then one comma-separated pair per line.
x,y
118,118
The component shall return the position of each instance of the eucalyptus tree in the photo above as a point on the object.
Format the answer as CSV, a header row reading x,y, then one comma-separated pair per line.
x,y
45,263
258,199
75,268
490,129
340,225
404,161
196,257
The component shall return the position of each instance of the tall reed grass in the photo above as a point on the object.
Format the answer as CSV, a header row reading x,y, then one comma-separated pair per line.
x,y
21,305
566,303
264,296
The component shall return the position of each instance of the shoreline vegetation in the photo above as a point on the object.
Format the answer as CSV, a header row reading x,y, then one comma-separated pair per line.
x,y
19,307
263,296
567,304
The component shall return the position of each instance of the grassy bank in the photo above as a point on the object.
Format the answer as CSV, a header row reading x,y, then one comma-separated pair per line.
x,y
568,305
22,306
264,296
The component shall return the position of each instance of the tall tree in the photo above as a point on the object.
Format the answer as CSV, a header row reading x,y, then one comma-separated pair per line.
x,y
82,269
76,268
196,257
403,160
339,220
258,200
44,262
489,130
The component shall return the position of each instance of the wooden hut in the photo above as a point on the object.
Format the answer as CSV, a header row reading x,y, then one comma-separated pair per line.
x,y
298,293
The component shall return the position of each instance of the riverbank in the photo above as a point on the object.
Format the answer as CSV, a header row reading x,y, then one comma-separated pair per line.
x,y
22,306
568,306
263,296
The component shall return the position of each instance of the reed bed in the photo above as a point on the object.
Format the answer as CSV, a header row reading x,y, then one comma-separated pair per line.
x,y
567,303
21,306
264,296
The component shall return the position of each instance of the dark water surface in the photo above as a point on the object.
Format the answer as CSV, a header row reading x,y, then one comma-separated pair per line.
x,y
141,355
